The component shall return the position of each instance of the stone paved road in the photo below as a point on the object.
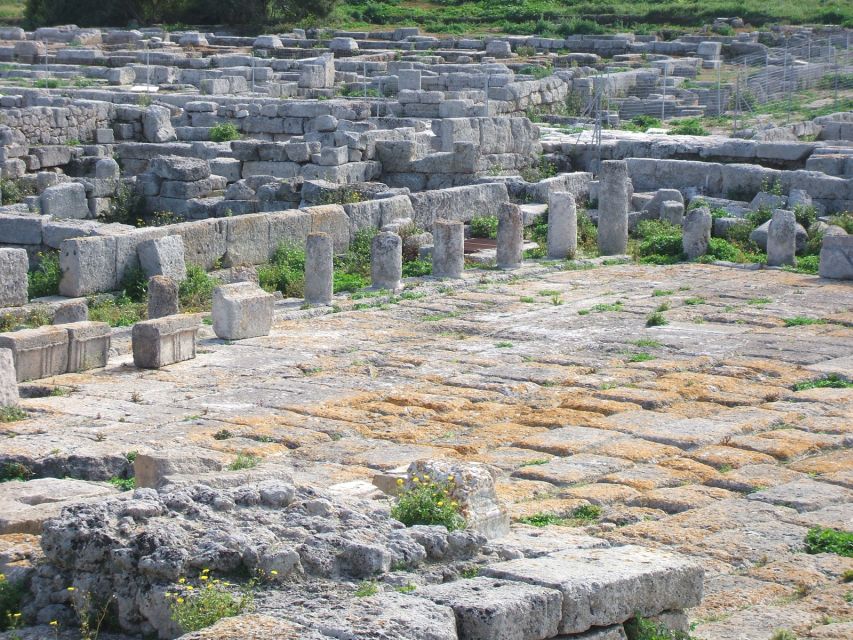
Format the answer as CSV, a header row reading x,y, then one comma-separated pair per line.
x,y
688,435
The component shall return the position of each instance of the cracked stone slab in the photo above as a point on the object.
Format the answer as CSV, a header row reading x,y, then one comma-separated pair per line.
x,y
489,609
804,495
572,469
601,587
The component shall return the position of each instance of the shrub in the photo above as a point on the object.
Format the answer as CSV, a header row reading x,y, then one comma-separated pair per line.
x,y
126,207
196,292
11,597
758,218
843,220
134,284
656,319
806,264
831,381
641,123
44,279
14,191
428,502
11,414
125,484
244,460
356,261
543,169
117,312
203,607
285,272
15,471
224,132
343,281
825,540
661,242
687,127
639,628
485,227
417,268
805,216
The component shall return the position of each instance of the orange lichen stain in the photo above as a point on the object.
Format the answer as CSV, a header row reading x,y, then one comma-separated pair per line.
x,y
781,373
561,417
691,409
517,490
701,471
603,493
580,400
719,455
832,462
440,403
636,450
720,389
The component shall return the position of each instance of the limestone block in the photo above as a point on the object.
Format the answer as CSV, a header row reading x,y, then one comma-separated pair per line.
x,y
697,232
241,310
8,381
448,254
88,345
13,277
498,49
163,297
88,266
164,341
22,229
386,261
782,239
409,79
562,226
602,587
836,257
334,156
489,609
614,198
25,506
157,125
759,236
71,311
319,269
344,45
672,212
655,205
163,257
510,239
38,353
179,168
67,200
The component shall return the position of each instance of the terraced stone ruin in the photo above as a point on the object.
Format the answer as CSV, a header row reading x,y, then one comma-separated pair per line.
x,y
334,334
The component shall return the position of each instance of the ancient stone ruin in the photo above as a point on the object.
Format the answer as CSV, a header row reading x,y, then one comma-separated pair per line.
x,y
348,334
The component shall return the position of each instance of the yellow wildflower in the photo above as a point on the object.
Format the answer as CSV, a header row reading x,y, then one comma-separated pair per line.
x,y
71,589
54,623
2,577
400,481
440,503
180,600
274,572
190,587
454,504
16,615
416,480
205,570
181,580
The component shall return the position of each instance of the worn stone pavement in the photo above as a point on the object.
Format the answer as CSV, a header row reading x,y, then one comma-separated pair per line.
x,y
701,446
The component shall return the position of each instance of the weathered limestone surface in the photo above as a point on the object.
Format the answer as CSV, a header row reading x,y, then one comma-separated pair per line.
x,y
164,341
562,226
319,269
448,253
614,201
38,353
8,381
13,277
241,310
602,586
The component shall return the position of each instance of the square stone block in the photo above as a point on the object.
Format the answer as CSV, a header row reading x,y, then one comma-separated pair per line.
x,y
13,277
38,353
88,345
8,383
241,310
163,257
608,586
164,341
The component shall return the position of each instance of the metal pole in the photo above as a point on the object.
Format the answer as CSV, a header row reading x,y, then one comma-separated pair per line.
x,y
836,77
663,98
364,71
147,68
253,72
